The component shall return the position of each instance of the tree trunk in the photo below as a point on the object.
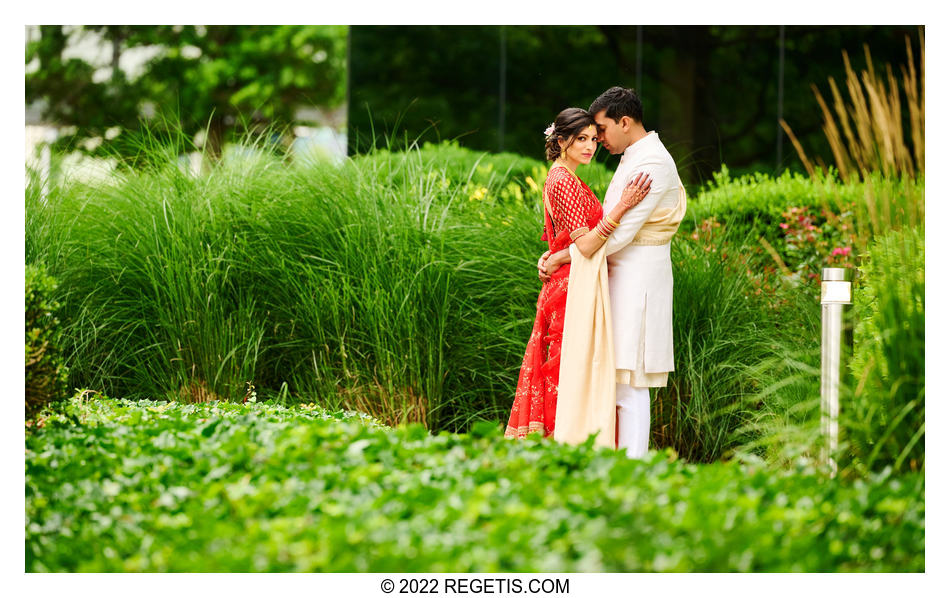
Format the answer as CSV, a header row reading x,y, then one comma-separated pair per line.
x,y
214,143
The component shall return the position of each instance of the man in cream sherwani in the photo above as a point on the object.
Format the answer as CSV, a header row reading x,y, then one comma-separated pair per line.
x,y
638,258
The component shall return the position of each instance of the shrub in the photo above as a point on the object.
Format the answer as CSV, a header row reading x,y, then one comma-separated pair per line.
x,y
758,200
799,224
45,371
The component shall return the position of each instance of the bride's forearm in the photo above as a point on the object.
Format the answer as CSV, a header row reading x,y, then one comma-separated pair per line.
x,y
590,242
558,259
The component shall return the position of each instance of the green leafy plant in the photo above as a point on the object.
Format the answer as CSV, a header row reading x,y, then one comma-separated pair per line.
x,y
149,486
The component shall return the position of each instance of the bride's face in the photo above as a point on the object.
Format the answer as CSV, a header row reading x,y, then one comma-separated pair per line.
x,y
583,147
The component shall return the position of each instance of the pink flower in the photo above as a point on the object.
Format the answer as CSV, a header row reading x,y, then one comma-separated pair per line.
x,y
841,251
783,226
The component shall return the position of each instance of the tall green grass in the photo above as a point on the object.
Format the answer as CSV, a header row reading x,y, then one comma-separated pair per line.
x,y
884,420
725,329
393,282
882,389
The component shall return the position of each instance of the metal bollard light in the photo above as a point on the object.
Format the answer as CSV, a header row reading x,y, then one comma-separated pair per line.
x,y
835,294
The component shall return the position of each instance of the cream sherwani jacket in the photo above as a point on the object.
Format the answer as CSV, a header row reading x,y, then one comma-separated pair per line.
x,y
641,274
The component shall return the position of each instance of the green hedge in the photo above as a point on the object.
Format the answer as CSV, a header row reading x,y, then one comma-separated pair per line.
x,y
759,196
506,177
759,205
150,486
45,371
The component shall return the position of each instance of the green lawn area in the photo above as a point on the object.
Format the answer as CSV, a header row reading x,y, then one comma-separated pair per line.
x,y
115,485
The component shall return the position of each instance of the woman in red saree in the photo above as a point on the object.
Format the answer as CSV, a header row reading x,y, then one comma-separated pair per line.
x,y
572,214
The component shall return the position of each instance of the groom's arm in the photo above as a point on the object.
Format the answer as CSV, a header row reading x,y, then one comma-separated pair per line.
x,y
632,221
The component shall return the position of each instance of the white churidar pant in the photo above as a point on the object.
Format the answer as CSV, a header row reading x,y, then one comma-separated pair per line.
x,y
633,420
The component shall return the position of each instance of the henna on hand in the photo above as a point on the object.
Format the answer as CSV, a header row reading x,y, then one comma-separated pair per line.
x,y
636,190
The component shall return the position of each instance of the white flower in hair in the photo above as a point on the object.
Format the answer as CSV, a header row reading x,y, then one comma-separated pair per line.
x,y
549,130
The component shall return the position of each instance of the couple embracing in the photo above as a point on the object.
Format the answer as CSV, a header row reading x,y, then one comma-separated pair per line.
x,y
603,333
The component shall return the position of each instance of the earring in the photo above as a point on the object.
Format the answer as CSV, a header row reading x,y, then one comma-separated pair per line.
x,y
562,154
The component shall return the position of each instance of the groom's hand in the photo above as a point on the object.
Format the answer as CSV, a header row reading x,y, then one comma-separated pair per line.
x,y
543,274
549,264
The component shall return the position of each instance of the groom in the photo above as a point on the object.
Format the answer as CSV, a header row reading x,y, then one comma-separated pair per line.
x,y
638,260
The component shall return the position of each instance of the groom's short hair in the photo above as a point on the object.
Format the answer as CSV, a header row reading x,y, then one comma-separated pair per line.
x,y
619,102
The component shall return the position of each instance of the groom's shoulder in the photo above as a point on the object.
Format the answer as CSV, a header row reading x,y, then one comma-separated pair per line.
x,y
657,154
660,149
662,155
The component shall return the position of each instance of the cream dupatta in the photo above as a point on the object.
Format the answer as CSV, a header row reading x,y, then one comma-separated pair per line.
x,y
587,390
587,325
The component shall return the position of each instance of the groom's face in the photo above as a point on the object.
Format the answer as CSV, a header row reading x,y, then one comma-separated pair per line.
x,y
610,133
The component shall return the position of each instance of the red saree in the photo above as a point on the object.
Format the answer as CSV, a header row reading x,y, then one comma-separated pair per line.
x,y
575,211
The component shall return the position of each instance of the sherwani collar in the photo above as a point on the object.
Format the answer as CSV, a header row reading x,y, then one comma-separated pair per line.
x,y
638,144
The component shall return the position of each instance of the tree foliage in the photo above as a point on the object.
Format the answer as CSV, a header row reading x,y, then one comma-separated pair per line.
x,y
210,78
712,92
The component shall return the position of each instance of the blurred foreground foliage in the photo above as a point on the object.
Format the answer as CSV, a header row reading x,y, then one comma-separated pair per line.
x,y
115,485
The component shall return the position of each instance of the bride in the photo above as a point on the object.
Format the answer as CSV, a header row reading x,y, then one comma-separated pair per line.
x,y
572,214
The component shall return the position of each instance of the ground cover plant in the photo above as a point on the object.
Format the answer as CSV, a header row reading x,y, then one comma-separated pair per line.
x,y
117,485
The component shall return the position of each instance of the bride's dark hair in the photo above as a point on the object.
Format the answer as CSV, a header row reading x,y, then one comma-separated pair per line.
x,y
567,125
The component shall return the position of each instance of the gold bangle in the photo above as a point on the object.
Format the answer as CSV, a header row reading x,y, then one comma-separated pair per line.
x,y
603,230
611,220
